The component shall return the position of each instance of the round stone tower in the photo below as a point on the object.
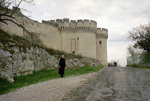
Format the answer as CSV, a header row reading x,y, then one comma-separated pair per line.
x,y
101,45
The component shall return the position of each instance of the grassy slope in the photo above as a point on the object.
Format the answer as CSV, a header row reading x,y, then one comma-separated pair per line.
x,y
10,40
41,76
7,39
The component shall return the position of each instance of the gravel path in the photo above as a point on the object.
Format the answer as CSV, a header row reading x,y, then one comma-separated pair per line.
x,y
115,84
109,84
53,90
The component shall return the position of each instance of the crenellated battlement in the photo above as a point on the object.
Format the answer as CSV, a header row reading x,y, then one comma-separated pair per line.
x,y
80,36
66,24
102,32
78,25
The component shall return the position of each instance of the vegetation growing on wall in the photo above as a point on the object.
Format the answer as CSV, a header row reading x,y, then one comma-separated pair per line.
x,y
10,40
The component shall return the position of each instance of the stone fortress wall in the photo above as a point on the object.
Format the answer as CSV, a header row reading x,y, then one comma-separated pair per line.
x,y
80,37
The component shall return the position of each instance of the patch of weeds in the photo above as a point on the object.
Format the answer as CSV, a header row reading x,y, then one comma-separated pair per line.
x,y
40,76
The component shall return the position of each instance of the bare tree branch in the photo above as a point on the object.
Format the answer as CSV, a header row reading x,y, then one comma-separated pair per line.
x,y
6,15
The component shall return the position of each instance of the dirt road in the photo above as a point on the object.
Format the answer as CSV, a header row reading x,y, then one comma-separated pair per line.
x,y
52,90
109,84
115,84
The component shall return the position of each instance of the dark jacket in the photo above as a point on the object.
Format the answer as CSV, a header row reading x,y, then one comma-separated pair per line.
x,y
62,65
62,62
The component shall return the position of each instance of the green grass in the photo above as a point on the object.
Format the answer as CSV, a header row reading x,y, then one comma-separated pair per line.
x,y
40,76
137,66
83,70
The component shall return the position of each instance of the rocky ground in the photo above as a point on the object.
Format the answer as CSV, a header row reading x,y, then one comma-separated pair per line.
x,y
53,90
115,84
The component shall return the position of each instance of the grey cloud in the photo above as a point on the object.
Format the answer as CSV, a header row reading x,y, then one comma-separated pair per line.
x,y
119,38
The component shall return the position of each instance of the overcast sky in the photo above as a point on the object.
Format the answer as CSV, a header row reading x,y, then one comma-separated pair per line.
x,y
118,16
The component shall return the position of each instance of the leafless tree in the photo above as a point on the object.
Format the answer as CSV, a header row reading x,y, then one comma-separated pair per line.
x,y
6,15
5,11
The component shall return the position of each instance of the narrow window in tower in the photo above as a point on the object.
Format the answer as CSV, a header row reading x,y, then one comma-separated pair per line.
x,y
100,42
77,38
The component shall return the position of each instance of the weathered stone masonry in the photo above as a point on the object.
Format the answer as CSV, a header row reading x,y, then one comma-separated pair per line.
x,y
34,59
79,37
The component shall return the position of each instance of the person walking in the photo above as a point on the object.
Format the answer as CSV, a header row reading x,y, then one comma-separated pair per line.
x,y
62,65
